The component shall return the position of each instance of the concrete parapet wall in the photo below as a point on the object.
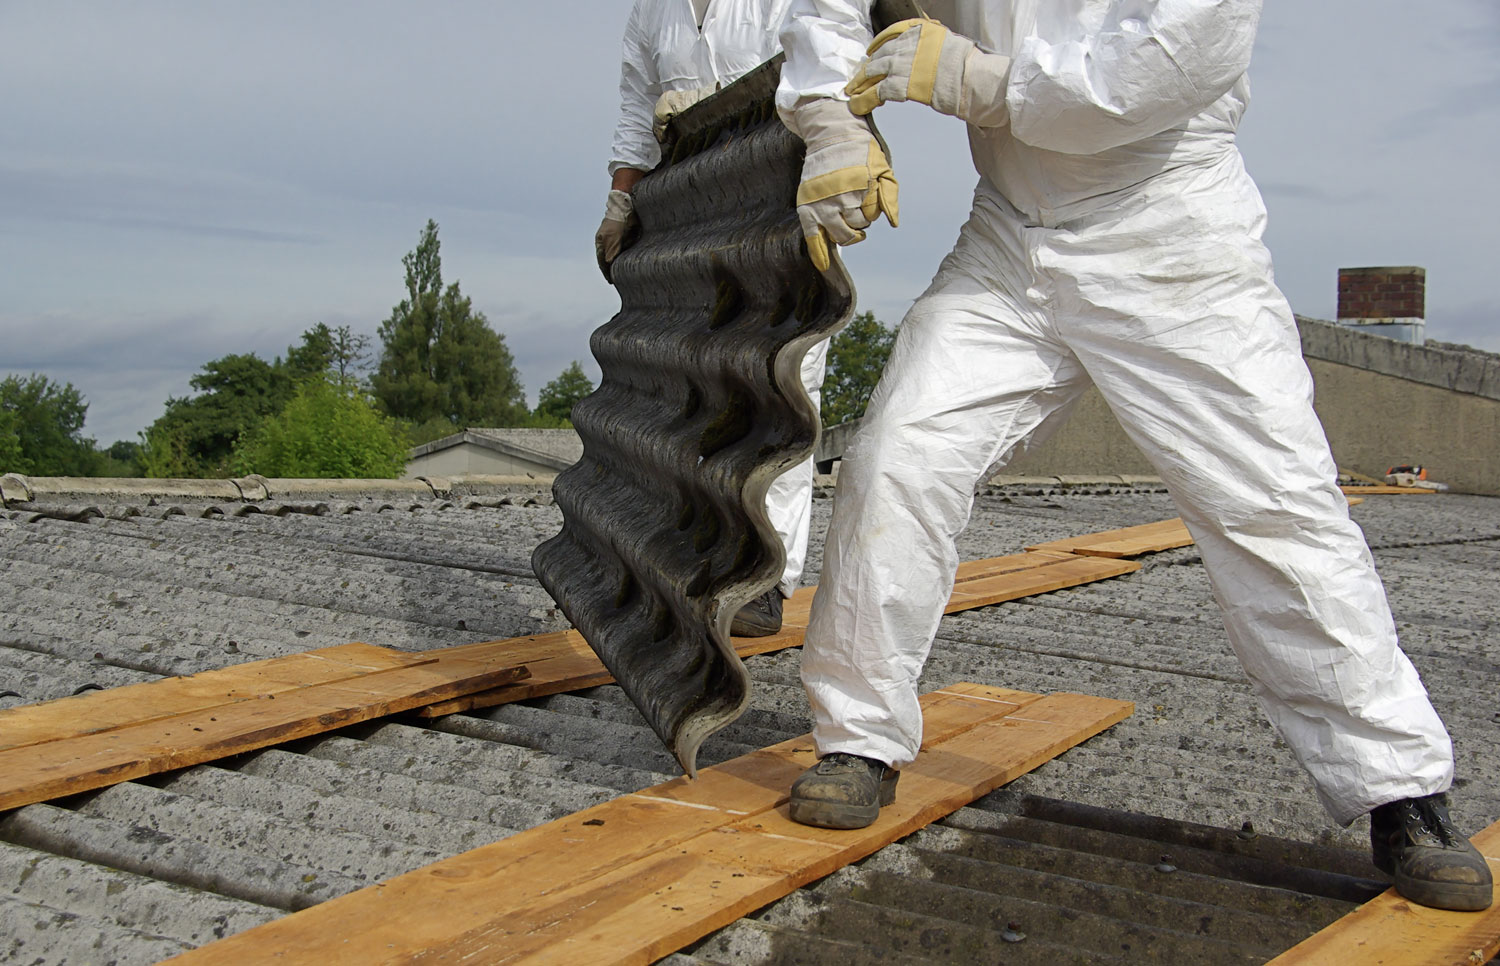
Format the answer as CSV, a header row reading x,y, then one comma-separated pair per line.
x,y
1382,403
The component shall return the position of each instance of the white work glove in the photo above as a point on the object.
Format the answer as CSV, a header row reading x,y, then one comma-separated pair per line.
x,y
846,180
673,103
921,60
611,238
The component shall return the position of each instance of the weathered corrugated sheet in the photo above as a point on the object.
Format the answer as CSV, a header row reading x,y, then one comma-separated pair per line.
x,y
699,408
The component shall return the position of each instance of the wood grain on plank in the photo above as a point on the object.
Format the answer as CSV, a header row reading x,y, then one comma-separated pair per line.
x,y
1390,931
98,711
1125,542
631,880
81,762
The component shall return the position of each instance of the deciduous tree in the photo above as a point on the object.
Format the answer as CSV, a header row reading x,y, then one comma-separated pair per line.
x,y
557,397
855,359
328,429
41,428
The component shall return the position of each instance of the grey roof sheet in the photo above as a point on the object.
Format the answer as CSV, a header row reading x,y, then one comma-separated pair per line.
x,y
135,872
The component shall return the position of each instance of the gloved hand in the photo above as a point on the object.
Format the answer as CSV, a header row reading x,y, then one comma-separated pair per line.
x,y
846,181
921,60
614,232
673,103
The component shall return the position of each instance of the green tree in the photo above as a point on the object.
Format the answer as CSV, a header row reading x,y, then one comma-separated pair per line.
x,y
557,397
10,442
328,429
123,458
195,436
440,358
856,357
41,428
164,453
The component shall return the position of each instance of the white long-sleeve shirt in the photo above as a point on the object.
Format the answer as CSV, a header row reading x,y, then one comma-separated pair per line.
x,y
665,50
1102,93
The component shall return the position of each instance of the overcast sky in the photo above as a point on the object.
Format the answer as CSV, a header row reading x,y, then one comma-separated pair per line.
x,y
184,180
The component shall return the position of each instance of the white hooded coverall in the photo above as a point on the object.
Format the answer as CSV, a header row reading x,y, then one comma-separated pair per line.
x,y
1115,240
664,50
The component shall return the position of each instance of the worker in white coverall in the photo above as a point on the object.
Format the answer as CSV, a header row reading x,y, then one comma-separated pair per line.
x,y
677,52
1114,241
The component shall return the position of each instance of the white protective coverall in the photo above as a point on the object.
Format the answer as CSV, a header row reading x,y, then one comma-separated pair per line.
x,y
664,50
1114,240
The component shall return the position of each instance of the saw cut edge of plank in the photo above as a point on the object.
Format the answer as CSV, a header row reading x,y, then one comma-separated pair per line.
x,y
635,878
1391,931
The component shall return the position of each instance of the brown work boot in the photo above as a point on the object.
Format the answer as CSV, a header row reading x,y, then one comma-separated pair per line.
x,y
759,618
1432,863
843,791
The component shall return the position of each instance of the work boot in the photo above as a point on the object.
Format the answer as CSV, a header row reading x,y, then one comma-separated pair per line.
x,y
843,791
759,618
1415,843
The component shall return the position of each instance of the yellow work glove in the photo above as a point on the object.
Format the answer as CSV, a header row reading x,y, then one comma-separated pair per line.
x,y
614,234
921,60
673,103
846,181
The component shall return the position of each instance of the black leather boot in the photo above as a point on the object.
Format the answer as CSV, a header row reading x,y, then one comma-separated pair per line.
x,y
1434,864
759,618
843,791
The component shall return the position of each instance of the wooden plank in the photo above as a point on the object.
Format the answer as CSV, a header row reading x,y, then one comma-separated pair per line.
x,y
1389,931
1064,572
81,762
1388,490
979,583
631,880
1125,542
98,711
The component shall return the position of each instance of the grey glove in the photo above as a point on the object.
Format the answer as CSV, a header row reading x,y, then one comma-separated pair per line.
x,y
616,231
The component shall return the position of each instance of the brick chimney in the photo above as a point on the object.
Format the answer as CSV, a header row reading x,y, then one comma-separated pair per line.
x,y
1388,301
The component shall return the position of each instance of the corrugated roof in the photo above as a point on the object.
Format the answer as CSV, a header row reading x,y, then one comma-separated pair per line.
x,y
138,871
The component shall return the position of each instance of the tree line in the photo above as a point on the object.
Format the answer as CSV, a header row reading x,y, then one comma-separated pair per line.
x,y
331,407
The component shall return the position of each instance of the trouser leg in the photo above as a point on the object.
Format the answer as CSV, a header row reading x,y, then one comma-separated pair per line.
x,y
1213,390
789,499
934,424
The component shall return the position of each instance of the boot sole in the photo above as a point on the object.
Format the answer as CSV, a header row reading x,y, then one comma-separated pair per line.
x,y
738,629
842,815
1459,897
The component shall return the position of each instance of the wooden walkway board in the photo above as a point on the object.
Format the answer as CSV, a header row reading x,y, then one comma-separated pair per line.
x,y
634,879
1125,542
566,663
97,711
1387,490
104,750
1389,931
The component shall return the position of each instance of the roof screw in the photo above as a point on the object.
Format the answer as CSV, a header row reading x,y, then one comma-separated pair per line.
x,y
1247,832
1165,865
1012,933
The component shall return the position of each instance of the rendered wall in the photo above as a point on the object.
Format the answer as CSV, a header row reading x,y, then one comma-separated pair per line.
x,y
469,459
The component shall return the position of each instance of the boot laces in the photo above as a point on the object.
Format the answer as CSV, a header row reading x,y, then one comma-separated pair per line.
x,y
1430,817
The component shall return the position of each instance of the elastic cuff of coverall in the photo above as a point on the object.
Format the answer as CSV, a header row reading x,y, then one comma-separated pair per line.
x,y
1349,811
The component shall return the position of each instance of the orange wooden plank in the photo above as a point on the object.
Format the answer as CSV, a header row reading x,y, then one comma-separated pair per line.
x,y
1388,490
979,583
631,880
1067,571
81,762
98,711
1125,542
1389,931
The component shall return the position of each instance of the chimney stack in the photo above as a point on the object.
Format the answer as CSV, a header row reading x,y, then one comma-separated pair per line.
x,y
1385,301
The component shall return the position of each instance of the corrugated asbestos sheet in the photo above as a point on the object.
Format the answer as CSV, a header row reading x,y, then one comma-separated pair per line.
x,y
1065,856
699,408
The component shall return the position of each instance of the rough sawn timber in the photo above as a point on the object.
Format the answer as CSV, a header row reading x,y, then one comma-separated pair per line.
x,y
216,714
634,879
1389,931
